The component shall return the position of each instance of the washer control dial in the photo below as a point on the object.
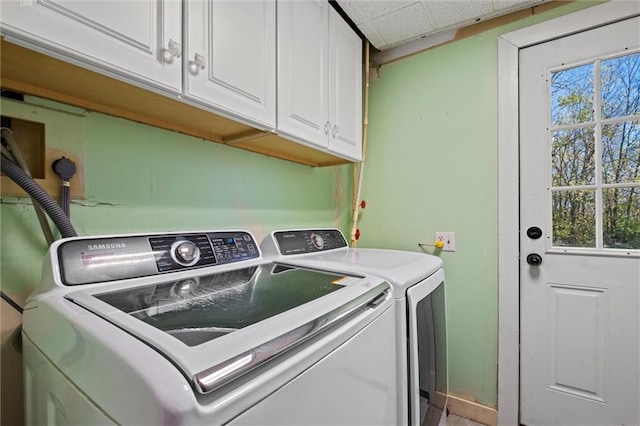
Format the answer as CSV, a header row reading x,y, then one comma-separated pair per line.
x,y
185,252
317,241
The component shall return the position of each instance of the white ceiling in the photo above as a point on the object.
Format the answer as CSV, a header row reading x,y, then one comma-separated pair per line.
x,y
388,24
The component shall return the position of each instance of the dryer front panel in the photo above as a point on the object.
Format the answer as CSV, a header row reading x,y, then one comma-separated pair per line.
x,y
428,371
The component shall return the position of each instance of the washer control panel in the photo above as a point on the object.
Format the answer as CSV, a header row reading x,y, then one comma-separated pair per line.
x,y
174,252
233,246
95,260
308,241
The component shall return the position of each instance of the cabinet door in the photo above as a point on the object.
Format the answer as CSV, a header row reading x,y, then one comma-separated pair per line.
x,y
230,57
345,89
303,71
139,40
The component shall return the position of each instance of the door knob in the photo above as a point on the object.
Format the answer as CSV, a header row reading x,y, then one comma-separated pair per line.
x,y
534,259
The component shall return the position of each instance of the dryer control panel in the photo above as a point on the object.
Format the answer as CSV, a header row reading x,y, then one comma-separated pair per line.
x,y
308,241
95,260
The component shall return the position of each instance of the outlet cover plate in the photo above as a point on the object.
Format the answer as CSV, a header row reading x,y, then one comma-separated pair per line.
x,y
449,239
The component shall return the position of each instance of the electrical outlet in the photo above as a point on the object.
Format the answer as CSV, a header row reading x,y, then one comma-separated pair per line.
x,y
449,240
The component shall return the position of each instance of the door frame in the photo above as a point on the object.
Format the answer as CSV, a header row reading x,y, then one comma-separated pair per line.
x,y
508,183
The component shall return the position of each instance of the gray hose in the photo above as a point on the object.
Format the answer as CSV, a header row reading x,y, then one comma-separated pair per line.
x,y
16,174
16,156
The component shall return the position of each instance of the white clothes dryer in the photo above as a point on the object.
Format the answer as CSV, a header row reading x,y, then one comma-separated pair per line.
x,y
198,328
418,283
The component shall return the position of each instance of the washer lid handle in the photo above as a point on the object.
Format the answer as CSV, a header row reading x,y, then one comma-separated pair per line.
x,y
226,371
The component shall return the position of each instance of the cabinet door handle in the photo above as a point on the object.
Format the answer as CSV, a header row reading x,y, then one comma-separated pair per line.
x,y
327,125
335,131
197,64
173,51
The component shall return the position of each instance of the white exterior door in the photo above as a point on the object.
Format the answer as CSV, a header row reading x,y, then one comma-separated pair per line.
x,y
230,58
580,271
140,40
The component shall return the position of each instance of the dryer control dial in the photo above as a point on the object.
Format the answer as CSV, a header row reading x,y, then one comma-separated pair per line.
x,y
185,252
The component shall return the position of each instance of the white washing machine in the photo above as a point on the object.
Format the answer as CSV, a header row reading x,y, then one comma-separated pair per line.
x,y
420,305
197,328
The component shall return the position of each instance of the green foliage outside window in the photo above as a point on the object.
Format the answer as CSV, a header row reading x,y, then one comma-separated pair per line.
x,y
598,151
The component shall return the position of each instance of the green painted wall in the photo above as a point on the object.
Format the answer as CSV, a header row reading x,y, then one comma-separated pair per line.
x,y
432,166
143,179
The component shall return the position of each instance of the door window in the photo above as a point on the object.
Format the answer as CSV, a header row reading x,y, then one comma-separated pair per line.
x,y
595,153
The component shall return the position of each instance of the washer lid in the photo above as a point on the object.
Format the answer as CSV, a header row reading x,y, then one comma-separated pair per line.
x,y
198,309
216,327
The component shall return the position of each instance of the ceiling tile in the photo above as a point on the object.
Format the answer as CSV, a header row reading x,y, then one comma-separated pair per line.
x,y
389,23
446,14
375,9
374,37
402,25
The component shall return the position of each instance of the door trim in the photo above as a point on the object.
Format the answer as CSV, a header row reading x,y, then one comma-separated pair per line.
x,y
508,183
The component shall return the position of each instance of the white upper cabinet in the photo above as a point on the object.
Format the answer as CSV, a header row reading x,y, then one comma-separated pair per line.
x,y
291,68
345,108
230,57
303,70
319,78
140,40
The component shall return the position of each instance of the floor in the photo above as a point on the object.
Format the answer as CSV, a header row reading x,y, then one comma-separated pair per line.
x,y
453,420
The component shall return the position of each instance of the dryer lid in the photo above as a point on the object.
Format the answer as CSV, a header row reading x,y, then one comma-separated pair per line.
x,y
402,269
326,248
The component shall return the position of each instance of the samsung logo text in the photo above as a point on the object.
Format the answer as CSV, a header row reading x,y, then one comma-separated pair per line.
x,y
106,246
